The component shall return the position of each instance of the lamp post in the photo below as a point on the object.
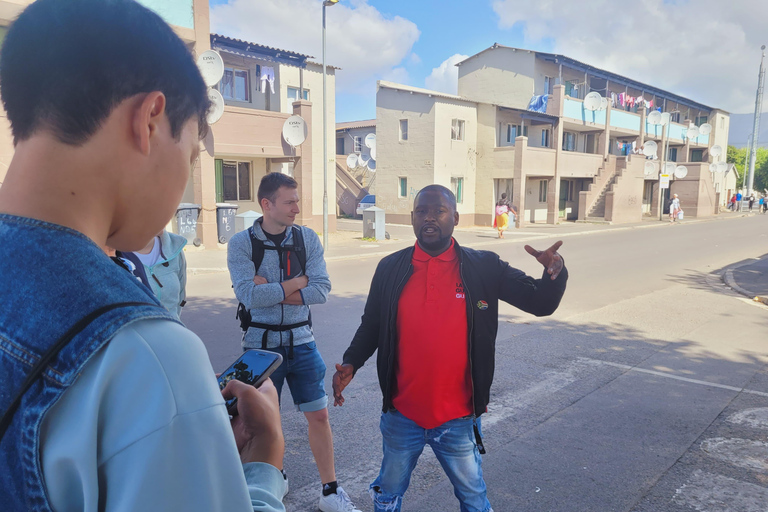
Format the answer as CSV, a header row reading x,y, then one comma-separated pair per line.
x,y
756,123
326,3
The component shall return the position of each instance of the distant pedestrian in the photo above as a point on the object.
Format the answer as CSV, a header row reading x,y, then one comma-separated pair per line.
x,y
503,211
765,203
761,204
751,202
674,208
732,203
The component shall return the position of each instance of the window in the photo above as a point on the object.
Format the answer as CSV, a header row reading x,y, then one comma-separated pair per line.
x,y
672,154
571,89
697,155
403,129
457,129
569,141
542,191
545,138
358,145
457,185
235,85
402,187
700,120
293,94
236,181
514,131
340,146
722,122
675,117
548,81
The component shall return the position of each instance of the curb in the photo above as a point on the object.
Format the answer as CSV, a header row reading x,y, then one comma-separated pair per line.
x,y
727,277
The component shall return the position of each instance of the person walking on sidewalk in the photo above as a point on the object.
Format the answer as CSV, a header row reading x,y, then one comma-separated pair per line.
x,y
760,204
751,202
277,294
503,210
432,314
109,402
674,209
732,203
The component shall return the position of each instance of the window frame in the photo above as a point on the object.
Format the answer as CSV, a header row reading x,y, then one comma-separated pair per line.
x,y
238,180
403,133
457,187
543,186
296,95
402,187
357,144
235,70
546,137
566,137
457,125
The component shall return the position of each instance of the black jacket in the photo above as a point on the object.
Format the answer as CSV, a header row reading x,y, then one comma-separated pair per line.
x,y
486,279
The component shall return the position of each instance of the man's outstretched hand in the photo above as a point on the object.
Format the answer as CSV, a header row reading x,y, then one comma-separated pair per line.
x,y
341,379
549,258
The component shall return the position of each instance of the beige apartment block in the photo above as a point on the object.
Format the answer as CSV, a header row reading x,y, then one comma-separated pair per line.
x,y
246,142
354,183
556,162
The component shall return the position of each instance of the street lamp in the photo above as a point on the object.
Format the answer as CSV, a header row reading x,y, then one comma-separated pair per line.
x,y
756,123
326,3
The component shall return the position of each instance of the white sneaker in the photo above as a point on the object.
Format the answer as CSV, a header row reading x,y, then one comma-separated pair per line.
x,y
285,479
338,502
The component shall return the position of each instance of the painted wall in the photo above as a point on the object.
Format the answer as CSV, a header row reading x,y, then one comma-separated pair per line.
x,y
574,109
174,12
492,162
414,158
500,76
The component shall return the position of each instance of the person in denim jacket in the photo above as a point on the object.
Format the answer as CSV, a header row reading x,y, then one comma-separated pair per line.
x,y
103,98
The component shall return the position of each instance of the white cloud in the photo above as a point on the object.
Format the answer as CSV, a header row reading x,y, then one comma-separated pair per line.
x,y
360,40
700,49
445,77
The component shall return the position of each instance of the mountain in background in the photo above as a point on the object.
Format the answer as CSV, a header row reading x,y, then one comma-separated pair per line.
x,y
741,128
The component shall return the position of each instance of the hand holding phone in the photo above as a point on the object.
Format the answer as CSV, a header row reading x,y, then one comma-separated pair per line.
x,y
253,367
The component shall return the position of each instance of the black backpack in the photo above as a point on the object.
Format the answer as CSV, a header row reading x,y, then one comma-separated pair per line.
x,y
286,252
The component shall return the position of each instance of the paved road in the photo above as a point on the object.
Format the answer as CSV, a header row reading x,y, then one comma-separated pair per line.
x,y
646,391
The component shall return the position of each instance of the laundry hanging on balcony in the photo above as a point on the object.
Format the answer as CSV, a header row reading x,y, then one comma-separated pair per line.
x,y
267,75
538,104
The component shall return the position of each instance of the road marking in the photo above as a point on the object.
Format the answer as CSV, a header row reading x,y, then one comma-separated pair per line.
x,y
743,453
756,418
677,377
707,492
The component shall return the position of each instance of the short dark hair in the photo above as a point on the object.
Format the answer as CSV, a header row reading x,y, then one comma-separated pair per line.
x,y
65,66
503,195
270,184
441,189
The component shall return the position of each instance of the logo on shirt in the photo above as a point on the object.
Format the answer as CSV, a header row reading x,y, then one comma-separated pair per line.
x,y
482,305
459,290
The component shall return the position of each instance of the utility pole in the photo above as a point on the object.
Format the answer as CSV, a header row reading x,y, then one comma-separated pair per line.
x,y
756,123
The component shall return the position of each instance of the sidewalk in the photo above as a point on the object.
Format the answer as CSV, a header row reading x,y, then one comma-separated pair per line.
x,y
749,278
347,243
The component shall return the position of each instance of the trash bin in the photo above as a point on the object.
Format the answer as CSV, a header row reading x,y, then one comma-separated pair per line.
x,y
186,222
225,221
373,223
245,220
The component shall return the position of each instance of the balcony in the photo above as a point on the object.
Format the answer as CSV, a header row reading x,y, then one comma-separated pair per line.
x,y
250,133
579,165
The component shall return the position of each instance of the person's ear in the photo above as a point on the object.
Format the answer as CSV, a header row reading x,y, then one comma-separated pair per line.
x,y
455,218
146,120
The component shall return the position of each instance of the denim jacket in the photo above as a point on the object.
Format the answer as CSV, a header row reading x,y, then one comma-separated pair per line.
x,y
51,277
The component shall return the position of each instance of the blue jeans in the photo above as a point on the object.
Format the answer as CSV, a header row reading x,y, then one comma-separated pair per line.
x,y
305,374
454,445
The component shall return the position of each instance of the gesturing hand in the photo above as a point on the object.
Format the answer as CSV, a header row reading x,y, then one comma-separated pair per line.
x,y
341,379
551,260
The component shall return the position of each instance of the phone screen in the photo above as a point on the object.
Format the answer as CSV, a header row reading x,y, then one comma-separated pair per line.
x,y
253,367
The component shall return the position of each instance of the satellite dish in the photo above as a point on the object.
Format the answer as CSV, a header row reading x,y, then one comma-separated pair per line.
x,y
603,103
722,166
716,150
666,117
649,168
352,161
295,130
681,172
669,168
592,101
373,152
362,162
372,165
693,132
712,167
217,106
705,129
211,67
370,140
649,148
654,117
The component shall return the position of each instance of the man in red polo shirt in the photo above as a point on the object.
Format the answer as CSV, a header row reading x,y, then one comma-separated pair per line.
x,y
432,313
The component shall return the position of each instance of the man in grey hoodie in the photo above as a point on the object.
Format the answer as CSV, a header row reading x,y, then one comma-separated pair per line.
x,y
278,295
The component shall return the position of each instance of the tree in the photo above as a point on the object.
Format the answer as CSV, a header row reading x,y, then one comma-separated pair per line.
x,y
738,158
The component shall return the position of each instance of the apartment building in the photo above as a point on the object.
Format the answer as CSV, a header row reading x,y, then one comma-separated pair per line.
x,y
246,142
519,125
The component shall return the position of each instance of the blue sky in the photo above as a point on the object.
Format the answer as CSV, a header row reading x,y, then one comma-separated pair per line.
x,y
675,45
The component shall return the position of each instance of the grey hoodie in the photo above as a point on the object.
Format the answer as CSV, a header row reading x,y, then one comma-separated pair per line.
x,y
263,301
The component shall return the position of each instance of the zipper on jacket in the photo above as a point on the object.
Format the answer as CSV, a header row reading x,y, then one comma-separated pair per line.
x,y
393,326
470,327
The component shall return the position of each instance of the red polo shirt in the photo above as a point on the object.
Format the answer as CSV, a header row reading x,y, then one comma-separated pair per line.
x,y
432,378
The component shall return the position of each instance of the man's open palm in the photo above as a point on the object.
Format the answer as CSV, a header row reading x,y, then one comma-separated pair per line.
x,y
551,260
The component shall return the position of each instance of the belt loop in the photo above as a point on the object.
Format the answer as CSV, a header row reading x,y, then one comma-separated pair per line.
x,y
478,438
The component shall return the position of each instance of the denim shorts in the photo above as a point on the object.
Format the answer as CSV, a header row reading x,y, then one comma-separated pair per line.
x,y
305,374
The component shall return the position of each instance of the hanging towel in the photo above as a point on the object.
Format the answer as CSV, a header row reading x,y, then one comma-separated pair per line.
x,y
267,76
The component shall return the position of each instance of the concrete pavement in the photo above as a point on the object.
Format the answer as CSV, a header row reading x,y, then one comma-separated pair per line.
x,y
749,278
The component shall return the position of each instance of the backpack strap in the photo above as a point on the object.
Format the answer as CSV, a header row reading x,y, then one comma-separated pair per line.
x,y
39,368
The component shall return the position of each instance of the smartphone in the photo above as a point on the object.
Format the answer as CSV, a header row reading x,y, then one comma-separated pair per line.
x,y
253,367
